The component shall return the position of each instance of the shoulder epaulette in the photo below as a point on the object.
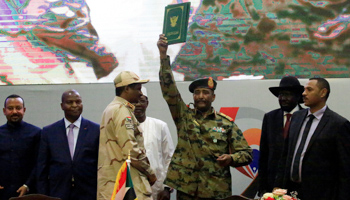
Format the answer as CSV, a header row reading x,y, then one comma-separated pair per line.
x,y
225,116
127,104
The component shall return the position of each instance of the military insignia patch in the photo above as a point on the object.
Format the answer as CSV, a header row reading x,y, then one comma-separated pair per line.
x,y
219,130
128,120
195,122
127,104
128,123
210,83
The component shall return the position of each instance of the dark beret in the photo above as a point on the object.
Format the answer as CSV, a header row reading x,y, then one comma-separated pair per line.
x,y
204,83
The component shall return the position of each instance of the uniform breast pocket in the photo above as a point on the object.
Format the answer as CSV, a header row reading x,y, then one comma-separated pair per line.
x,y
218,138
218,141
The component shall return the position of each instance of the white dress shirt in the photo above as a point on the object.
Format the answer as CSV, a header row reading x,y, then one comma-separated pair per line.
x,y
159,150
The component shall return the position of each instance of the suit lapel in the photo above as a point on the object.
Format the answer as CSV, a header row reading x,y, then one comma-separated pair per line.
x,y
298,120
81,137
280,127
62,136
324,120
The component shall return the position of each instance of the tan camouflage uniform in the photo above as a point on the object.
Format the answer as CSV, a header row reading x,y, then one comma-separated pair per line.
x,y
193,168
119,136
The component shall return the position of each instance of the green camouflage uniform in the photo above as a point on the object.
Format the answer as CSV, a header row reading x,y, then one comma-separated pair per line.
x,y
193,168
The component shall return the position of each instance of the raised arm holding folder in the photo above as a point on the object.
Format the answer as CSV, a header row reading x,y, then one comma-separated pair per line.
x,y
176,21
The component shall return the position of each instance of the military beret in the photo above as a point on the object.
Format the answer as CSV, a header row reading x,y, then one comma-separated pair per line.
x,y
204,83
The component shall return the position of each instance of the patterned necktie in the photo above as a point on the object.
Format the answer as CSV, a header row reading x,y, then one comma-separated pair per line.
x,y
295,172
70,138
286,126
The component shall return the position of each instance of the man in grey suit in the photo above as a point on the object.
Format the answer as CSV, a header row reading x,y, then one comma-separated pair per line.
x,y
317,157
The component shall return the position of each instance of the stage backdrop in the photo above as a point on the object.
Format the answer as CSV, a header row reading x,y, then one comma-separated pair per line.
x,y
245,101
89,41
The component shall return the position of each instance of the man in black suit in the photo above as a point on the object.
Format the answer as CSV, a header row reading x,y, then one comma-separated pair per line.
x,y
67,160
275,128
318,152
19,143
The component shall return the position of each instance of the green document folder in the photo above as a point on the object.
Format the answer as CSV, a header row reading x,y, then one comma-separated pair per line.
x,y
176,22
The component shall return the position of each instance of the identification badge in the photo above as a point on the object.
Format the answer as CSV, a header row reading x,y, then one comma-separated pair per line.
x,y
129,126
128,123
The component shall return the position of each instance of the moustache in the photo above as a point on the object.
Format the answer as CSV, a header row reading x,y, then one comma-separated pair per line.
x,y
201,101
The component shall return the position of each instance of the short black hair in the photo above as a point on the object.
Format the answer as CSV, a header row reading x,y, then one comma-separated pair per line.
x,y
13,96
119,90
322,83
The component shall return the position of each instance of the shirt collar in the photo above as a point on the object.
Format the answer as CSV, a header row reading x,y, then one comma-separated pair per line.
x,y
296,108
76,123
15,125
318,114
211,113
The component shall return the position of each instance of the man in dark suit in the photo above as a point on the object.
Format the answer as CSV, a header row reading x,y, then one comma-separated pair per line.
x,y
274,130
318,152
19,143
67,160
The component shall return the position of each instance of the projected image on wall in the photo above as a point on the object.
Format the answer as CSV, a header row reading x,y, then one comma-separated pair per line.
x,y
42,40
268,38
70,41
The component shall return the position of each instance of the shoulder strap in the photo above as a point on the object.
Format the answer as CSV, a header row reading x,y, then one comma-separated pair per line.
x,y
225,116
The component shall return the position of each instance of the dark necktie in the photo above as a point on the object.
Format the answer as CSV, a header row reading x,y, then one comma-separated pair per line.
x,y
286,126
295,172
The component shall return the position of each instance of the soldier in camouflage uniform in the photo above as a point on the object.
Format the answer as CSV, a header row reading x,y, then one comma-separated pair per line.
x,y
120,135
209,142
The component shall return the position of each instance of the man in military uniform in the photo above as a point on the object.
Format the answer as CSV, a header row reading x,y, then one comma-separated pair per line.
x,y
120,136
209,142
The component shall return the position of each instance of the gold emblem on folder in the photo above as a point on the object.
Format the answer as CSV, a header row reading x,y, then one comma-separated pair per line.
x,y
173,21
